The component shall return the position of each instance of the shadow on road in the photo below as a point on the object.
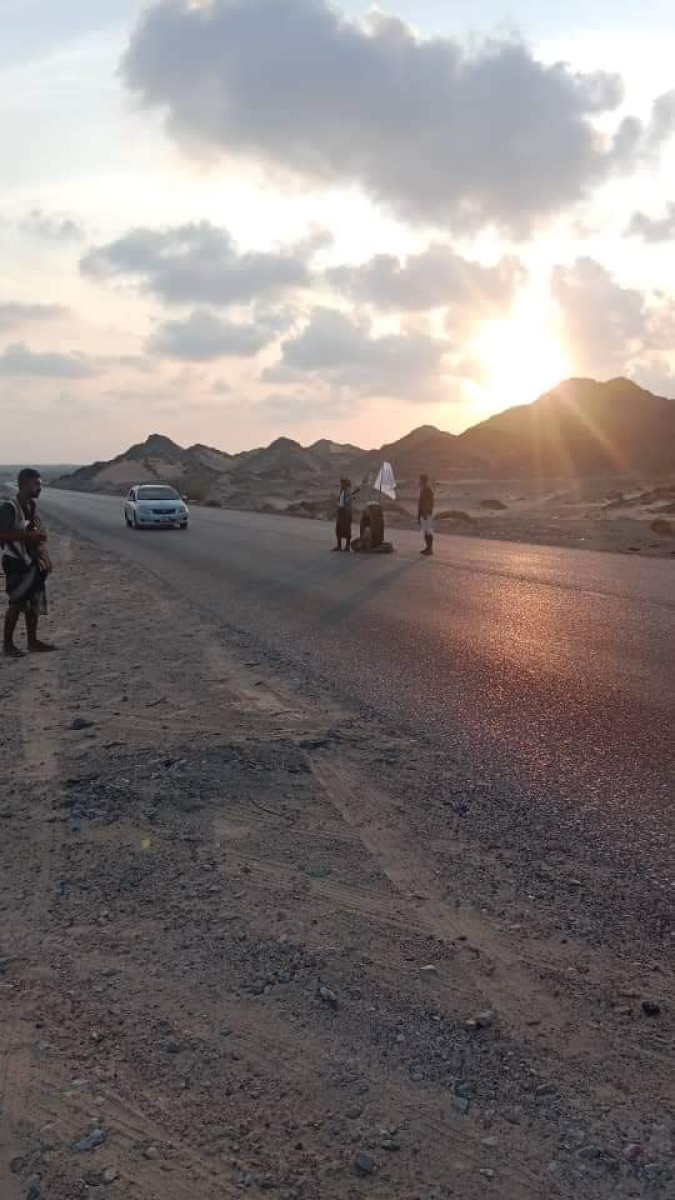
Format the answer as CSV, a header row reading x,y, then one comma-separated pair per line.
x,y
346,606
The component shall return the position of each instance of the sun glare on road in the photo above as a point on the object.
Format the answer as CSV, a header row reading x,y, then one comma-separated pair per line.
x,y
520,357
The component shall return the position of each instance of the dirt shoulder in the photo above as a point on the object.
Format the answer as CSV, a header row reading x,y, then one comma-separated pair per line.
x,y
243,950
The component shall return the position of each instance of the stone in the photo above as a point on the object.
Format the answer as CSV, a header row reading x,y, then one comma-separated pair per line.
x,y
81,723
363,1165
463,1088
485,1019
34,1188
589,1152
429,971
328,996
91,1142
546,1091
172,1046
110,1175
462,1104
651,1009
151,1153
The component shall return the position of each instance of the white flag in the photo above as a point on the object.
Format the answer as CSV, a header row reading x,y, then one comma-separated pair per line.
x,y
386,482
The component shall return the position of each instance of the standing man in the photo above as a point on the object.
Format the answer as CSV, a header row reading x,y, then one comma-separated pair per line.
x,y
343,524
25,563
425,515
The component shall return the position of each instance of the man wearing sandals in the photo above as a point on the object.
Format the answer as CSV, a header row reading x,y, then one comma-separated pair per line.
x,y
25,563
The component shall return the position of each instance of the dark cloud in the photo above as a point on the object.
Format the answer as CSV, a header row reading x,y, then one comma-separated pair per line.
x,y
439,133
438,277
13,313
345,353
653,229
52,227
18,360
196,264
203,336
611,330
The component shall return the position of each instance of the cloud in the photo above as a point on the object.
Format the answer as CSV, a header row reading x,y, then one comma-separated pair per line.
x,y
134,362
51,227
196,264
13,313
611,330
18,360
342,351
653,229
203,336
312,404
438,132
438,277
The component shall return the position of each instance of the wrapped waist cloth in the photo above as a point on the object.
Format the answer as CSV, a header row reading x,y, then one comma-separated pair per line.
x,y
26,584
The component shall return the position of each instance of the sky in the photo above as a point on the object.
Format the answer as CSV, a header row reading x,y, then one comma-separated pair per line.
x,y
231,220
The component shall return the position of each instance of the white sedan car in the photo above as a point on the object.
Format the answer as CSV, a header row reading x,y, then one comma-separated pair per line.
x,y
155,506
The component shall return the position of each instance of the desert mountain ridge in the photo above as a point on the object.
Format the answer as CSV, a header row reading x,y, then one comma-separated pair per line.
x,y
580,429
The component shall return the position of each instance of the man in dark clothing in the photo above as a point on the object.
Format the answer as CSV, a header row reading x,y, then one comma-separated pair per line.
x,y
425,515
25,563
343,524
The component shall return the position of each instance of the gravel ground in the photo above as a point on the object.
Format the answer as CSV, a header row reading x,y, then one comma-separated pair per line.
x,y
254,943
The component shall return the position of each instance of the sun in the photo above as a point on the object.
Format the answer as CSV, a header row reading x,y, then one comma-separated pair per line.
x,y
519,358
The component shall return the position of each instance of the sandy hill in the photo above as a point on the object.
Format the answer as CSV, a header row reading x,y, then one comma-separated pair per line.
x,y
582,428
426,450
156,459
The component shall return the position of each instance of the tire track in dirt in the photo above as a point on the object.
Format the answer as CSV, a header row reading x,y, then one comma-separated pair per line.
x,y
502,982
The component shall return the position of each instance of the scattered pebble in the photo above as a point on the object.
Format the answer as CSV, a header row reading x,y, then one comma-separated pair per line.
x,y
364,1165
483,1020
91,1142
328,996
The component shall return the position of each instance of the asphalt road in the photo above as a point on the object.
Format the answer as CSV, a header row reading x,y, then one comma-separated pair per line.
x,y
543,671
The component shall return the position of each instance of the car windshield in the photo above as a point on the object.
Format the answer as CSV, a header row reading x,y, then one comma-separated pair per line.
x,y
157,493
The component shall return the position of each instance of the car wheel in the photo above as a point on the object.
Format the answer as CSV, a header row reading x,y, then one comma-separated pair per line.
x,y
184,525
135,523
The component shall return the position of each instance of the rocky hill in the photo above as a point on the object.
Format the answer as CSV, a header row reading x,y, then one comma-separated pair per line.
x,y
579,430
